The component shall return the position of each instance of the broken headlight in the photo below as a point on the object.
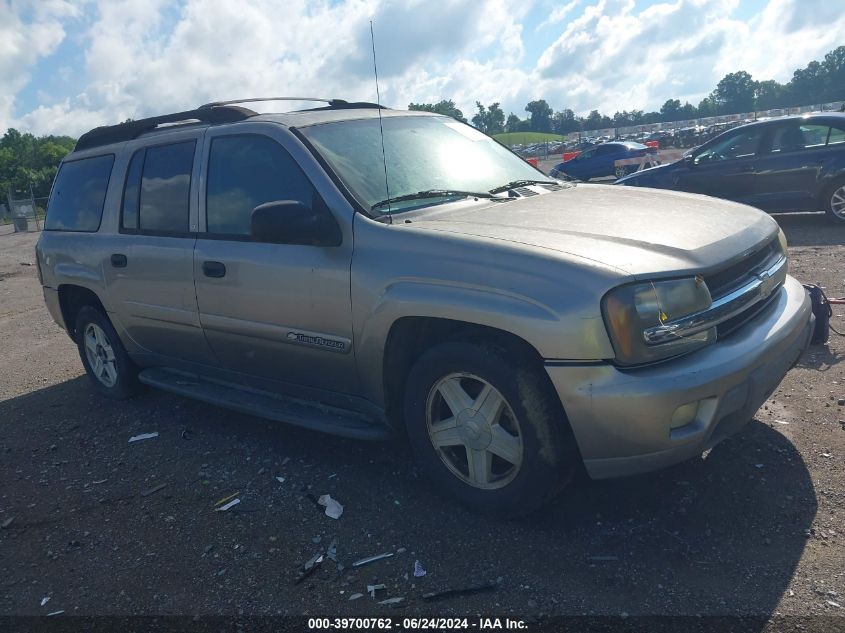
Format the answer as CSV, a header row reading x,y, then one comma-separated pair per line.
x,y
631,310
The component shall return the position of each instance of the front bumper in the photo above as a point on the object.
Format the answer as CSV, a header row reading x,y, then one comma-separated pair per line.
x,y
622,418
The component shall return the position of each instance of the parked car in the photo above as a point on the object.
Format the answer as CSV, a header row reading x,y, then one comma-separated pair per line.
x,y
794,163
599,161
513,327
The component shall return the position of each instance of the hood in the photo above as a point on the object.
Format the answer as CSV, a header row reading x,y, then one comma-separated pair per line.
x,y
652,173
641,232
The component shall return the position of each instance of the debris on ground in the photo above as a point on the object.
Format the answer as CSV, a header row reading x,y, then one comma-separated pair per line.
x,y
419,572
460,591
45,600
371,559
7,522
231,504
371,589
310,567
186,433
355,596
59,612
391,601
220,502
153,490
280,479
333,508
143,436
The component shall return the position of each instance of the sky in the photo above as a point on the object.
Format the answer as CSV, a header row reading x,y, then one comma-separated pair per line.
x,y
69,65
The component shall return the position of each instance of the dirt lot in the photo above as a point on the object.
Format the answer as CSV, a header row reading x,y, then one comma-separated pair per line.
x,y
755,528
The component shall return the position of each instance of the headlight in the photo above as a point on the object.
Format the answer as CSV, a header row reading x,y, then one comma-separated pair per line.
x,y
630,310
782,241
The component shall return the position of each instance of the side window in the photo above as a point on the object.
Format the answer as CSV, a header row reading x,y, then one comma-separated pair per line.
x,y
837,135
740,144
164,199
794,137
76,202
244,172
132,192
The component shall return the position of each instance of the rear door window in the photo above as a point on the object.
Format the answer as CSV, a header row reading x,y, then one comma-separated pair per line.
x,y
164,200
837,136
76,203
794,137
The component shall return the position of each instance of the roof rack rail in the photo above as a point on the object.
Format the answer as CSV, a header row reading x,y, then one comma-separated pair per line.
x,y
210,113
334,104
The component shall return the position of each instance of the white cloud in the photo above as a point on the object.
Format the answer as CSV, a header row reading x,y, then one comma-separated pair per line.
x,y
143,58
558,14
23,43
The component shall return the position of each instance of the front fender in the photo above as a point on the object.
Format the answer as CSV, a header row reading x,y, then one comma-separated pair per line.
x,y
521,316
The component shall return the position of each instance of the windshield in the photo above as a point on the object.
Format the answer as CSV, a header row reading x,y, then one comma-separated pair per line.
x,y
424,154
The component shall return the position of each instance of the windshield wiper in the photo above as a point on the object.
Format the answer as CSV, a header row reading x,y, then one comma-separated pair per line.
x,y
430,193
522,183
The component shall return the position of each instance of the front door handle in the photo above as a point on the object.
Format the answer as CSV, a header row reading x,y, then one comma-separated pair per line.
x,y
118,260
214,269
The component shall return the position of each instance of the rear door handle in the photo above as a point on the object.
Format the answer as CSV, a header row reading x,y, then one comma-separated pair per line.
x,y
118,260
214,269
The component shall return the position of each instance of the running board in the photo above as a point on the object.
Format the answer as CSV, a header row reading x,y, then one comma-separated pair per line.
x,y
310,415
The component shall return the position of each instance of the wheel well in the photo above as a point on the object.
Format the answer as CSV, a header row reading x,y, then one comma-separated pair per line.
x,y
71,300
409,337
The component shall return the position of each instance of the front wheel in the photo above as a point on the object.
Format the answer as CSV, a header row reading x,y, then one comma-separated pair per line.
x,y
106,362
835,201
487,429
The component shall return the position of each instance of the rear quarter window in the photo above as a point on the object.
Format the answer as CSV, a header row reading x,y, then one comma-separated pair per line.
x,y
76,203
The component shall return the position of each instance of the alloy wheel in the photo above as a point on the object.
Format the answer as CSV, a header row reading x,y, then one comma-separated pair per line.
x,y
100,355
474,431
837,203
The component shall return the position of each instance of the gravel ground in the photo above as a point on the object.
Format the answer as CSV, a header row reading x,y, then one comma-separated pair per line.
x,y
96,525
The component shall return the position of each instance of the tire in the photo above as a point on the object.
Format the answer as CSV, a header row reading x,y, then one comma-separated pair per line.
x,y
834,201
530,428
621,172
106,362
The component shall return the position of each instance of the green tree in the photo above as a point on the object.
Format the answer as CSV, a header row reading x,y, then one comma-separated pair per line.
x,y
834,70
768,94
670,111
513,123
446,107
541,115
564,122
27,161
735,93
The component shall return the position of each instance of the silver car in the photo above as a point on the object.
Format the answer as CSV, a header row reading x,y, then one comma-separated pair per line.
x,y
369,272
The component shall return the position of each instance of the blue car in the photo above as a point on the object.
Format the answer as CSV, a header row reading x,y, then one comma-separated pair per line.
x,y
794,163
599,161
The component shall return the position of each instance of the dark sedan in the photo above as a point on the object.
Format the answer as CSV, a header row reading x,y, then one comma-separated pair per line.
x,y
792,163
600,160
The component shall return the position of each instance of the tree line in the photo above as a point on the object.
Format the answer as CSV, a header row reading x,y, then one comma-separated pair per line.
x,y
736,93
27,161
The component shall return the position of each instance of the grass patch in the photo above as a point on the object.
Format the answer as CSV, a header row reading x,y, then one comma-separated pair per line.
x,y
526,138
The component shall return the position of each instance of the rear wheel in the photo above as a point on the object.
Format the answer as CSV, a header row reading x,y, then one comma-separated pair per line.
x,y
486,428
835,201
105,360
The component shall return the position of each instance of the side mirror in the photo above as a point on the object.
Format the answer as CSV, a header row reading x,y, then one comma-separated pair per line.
x,y
292,222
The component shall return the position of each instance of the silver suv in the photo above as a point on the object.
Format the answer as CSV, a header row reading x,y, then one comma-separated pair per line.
x,y
365,272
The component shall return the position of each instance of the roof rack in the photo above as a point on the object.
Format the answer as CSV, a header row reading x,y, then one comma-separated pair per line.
x,y
213,113
209,113
333,104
